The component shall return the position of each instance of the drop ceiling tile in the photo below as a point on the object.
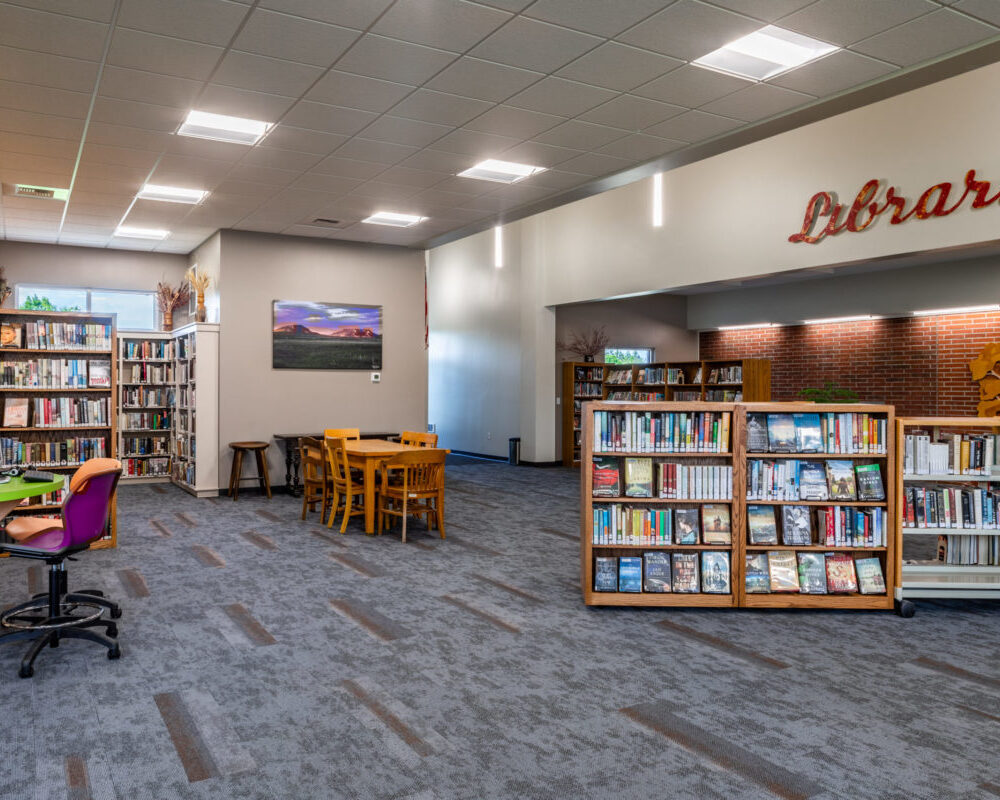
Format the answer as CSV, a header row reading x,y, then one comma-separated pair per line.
x,y
270,33
559,96
618,66
96,10
386,193
77,231
328,119
837,71
155,213
15,143
357,91
218,99
20,163
399,130
302,140
693,126
844,22
599,17
85,198
473,77
105,187
163,54
468,188
412,177
446,109
691,86
206,21
33,124
205,148
350,13
43,100
282,159
189,172
127,156
138,115
476,144
926,37
147,87
639,147
391,60
319,231
986,10
133,176
540,154
379,152
268,175
24,66
580,135
244,188
263,74
689,29
534,45
52,33
766,10
517,123
632,113
438,161
448,24
347,168
757,102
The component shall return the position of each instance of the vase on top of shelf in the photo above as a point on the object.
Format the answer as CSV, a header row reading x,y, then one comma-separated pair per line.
x,y
169,299
586,345
200,283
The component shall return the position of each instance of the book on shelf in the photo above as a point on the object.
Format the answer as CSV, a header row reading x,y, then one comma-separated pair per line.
x,y
99,374
606,477
656,572
757,575
686,396
950,507
849,433
762,525
64,452
812,481
42,335
715,572
812,573
45,373
606,574
851,526
686,525
953,453
10,335
588,390
629,525
841,577
662,431
723,396
725,375
796,525
646,397
757,441
638,477
840,480
650,375
808,435
629,574
869,574
781,433
869,482
715,524
966,550
619,377
15,412
783,569
685,572
675,375
680,481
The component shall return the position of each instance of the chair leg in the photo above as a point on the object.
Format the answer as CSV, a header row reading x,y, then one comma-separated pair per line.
x,y
439,513
28,662
348,511
262,467
237,474
305,502
333,508
233,472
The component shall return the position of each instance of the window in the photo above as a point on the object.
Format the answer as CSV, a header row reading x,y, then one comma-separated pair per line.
x,y
628,355
136,310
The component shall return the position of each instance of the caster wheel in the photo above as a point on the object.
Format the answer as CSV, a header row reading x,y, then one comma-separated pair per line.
x,y
26,672
114,653
905,609
112,632
116,613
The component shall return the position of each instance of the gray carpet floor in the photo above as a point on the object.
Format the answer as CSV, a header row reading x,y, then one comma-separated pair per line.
x,y
265,657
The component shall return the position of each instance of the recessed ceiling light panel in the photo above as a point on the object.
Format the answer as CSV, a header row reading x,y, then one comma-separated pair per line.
x,y
500,171
128,232
765,53
202,125
393,219
171,194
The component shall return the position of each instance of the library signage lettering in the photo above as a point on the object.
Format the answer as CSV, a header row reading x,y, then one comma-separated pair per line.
x,y
934,202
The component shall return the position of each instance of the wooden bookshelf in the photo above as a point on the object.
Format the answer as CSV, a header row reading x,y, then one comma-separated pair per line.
x,y
145,468
633,382
738,457
35,433
927,578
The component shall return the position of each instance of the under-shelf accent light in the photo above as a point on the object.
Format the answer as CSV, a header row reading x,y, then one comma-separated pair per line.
x,y
934,312
765,53
658,200
239,130
393,219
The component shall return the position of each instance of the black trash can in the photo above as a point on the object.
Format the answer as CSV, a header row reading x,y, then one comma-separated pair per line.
x,y
514,451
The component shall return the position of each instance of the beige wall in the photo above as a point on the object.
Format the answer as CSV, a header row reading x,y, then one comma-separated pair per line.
x,y
256,401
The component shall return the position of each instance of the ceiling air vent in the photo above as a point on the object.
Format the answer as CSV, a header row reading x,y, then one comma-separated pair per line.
x,y
42,192
325,221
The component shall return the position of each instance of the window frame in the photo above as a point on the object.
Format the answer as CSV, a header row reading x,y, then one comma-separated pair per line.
x,y
28,288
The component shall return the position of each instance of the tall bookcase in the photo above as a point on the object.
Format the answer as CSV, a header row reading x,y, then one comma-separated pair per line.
x,y
732,380
146,403
931,578
79,347
195,465
736,455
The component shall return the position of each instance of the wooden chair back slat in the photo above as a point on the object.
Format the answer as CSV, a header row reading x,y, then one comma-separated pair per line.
x,y
336,459
417,439
342,433
311,451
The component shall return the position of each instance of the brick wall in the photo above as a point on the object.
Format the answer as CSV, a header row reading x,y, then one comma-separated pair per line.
x,y
918,364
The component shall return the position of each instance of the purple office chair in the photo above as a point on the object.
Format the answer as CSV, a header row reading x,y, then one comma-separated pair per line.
x,y
63,614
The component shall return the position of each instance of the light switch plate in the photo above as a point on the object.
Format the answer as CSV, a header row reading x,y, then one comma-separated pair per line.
x,y
376,377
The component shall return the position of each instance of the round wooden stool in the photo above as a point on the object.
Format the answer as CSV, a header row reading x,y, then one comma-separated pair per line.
x,y
235,475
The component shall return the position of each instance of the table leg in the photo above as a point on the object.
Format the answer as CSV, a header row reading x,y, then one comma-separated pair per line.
x,y
288,467
369,495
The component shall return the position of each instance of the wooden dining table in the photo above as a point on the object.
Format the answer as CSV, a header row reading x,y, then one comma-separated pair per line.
x,y
365,454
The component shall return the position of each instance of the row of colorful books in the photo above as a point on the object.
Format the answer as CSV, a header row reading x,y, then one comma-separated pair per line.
x,y
42,335
154,349
955,454
969,550
664,572
145,467
675,375
725,375
723,396
145,421
848,433
666,479
579,374
636,397
67,452
791,479
148,373
616,524
55,412
588,390
145,397
812,573
662,431
147,446
829,526
619,377
950,507
650,375
686,396
55,373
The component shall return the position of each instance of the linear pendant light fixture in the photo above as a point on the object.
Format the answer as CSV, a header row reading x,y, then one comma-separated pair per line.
x,y
765,53
500,171
171,194
934,312
393,219
749,326
858,318
238,130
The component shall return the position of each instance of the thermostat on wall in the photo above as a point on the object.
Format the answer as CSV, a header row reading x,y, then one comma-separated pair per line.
x,y
376,377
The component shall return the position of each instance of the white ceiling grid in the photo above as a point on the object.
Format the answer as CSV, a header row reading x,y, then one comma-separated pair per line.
x,y
378,103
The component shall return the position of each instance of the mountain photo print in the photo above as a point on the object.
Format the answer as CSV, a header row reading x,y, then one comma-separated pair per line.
x,y
326,336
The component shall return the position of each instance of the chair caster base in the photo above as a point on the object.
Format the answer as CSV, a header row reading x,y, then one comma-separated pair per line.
x,y
114,653
25,672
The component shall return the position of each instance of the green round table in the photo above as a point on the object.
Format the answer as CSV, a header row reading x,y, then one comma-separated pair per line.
x,y
16,489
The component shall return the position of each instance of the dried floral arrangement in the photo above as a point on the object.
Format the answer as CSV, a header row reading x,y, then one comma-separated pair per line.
x,y
5,290
200,282
587,344
169,299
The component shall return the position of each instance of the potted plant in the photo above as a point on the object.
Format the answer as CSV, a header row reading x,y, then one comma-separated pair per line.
x,y
830,393
169,299
586,345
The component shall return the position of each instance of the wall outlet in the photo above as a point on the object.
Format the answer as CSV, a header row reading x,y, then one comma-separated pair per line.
x,y
431,427
376,377
558,401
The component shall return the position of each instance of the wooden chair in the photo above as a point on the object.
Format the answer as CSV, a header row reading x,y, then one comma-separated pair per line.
x,y
342,433
419,439
418,490
314,476
344,486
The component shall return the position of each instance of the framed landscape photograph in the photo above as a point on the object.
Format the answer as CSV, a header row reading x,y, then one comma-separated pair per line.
x,y
307,335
